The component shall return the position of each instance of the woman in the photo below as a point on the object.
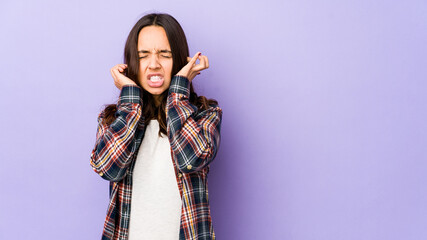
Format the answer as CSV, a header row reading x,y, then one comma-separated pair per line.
x,y
156,144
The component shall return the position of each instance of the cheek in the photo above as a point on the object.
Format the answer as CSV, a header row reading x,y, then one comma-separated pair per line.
x,y
142,66
169,67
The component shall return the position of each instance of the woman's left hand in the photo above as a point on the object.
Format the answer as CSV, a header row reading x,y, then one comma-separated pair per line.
x,y
192,69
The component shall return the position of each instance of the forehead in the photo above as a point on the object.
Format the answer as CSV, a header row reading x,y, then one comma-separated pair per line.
x,y
152,38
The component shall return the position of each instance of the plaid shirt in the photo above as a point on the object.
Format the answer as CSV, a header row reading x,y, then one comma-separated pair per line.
x,y
194,137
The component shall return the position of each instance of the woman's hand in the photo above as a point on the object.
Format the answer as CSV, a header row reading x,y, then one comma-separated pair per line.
x,y
192,69
119,78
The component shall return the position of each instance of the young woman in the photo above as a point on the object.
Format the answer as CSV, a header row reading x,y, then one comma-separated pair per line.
x,y
155,146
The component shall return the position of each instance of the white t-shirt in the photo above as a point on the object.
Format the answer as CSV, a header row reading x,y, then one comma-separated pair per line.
x,y
156,202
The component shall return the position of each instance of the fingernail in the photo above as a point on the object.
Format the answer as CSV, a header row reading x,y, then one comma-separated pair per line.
x,y
200,53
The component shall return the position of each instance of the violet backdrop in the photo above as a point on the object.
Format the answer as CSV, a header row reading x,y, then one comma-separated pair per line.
x,y
324,118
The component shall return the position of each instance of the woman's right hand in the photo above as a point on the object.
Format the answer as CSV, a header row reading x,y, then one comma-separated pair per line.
x,y
119,78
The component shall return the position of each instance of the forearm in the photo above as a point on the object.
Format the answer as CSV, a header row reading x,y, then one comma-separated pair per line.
x,y
116,143
194,139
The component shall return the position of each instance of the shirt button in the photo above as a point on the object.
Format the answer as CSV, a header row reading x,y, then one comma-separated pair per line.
x,y
100,174
179,174
189,167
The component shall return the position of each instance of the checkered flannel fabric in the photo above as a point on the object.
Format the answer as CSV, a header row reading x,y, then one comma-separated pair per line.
x,y
194,137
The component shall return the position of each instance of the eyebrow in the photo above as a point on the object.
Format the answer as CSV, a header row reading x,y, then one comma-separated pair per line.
x,y
161,51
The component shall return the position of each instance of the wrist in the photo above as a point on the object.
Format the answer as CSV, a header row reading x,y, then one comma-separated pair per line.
x,y
180,84
129,85
130,93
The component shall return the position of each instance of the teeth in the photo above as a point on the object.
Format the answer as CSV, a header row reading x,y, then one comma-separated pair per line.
x,y
155,78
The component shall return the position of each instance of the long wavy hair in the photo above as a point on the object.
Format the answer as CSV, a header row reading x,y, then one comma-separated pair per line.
x,y
180,52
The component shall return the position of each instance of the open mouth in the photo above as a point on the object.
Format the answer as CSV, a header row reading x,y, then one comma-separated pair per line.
x,y
155,81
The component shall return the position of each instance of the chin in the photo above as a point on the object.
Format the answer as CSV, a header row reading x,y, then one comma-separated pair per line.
x,y
155,91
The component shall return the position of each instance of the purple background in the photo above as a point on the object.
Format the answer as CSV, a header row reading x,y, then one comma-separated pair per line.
x,y
324,127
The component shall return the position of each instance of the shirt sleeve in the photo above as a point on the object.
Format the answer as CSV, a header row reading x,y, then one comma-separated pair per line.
x,y
116,144
195,137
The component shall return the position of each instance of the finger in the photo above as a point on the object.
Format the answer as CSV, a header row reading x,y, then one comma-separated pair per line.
x,y
193,60
115,72
203,61
114,75
188,59
122,68
198,68
207,61
114,68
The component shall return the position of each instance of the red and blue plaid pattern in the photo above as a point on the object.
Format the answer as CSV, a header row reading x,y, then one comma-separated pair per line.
x,y
194,137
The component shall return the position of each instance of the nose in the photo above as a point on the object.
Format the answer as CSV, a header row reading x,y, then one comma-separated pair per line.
x,y
154,62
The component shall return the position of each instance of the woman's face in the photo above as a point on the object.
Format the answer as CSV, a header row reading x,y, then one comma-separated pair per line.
x,y
155,59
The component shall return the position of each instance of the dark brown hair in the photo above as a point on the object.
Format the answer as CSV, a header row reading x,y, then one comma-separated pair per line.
x,y
180,52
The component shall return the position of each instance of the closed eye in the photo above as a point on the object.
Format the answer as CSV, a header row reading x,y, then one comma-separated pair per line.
x,y
160,55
